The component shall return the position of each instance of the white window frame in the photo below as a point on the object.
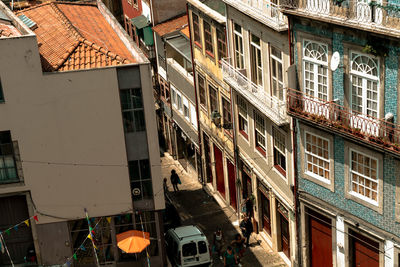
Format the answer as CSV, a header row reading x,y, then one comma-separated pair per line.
x,y
275,61
256,52
185,104
316,63
365,78
245,117
174,97
356,194
259,132
278,131
311,174
238,37
179,102
193,115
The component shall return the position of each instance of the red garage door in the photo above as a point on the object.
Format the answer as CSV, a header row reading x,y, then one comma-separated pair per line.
x,y
365,251
321,239
232,184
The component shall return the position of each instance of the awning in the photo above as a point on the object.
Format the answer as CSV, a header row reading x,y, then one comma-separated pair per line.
x,y
148,36
140,22
182,45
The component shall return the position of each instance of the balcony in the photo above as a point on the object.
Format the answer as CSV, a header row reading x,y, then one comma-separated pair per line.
x,y
256,95
148,51
380,17
342,120
264,11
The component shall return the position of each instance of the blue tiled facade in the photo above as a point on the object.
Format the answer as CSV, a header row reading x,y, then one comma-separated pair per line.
x,y
336,198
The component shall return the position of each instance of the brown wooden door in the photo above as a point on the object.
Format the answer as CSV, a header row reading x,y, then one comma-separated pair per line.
x,y
320,240
266,213
232,184
365,251
246,187
219,170
207,153
285,237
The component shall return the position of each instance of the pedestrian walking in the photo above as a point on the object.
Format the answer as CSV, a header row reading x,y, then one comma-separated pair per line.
x,y
230,259
218,241
237,245
175,180
247,228
247,207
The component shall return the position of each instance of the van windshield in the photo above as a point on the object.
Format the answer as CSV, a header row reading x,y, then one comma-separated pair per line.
x,y
189,250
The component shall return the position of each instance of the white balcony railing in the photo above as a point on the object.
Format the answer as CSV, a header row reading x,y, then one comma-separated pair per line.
x,y
263,10
272,107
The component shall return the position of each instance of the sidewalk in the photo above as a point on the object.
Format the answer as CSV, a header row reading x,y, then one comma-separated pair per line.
x,y
197,207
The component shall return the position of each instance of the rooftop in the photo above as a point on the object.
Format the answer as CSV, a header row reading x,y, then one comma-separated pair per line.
x,y
73,36
171,26
186,231
216,5
6,27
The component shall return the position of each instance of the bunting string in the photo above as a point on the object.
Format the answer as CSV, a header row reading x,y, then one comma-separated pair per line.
x,y
5,247
15,227
90,236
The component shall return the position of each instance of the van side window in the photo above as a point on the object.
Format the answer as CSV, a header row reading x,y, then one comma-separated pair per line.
x,y
202,247
189,249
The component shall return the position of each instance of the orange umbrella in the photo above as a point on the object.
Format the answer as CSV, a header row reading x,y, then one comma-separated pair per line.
x,y
133,241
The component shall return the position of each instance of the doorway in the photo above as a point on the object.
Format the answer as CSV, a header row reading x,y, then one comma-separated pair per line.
x,y
219,171
232,184
320,234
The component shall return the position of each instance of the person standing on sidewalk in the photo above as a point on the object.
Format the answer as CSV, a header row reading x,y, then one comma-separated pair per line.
x,y
230,259
247,228
218,241
175,180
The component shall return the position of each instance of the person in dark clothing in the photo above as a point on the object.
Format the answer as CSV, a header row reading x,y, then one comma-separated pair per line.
x,y
174,180
249,207
247,228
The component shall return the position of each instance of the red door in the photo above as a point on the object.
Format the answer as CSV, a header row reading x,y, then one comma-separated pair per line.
x,y
285,237
232,184
321,240
266,213
365,251
219,170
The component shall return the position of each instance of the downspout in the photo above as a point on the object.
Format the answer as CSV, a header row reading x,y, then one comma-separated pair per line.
x,y
197,101
294,155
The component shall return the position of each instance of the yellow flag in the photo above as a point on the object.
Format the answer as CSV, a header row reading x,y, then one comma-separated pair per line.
x,y
108,219
90,236
94,246
26,222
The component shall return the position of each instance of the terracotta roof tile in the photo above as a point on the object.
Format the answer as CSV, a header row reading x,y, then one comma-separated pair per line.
x,y
75,36
171,25
7,30
185,31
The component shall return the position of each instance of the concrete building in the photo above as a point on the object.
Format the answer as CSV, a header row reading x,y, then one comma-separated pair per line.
x,y
346,108
77,132
177,115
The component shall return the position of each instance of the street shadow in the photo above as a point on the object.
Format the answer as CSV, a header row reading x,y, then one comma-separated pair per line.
x,y
198,208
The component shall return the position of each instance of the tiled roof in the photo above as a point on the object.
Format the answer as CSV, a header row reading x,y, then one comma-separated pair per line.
x,y
8,31
171,25
185,31
75,36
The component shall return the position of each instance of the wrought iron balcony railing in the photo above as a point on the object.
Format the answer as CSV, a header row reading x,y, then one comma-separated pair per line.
x,y
272,107
328,114
262,10
369,15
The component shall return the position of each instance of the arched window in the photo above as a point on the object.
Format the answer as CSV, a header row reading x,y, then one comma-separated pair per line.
x,y
315,69
364,78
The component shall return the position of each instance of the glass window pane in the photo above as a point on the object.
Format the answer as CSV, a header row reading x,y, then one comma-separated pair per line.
x,y
139,121
128,121
145,169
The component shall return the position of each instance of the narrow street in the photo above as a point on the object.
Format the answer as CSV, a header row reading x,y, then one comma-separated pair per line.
x,y
197,207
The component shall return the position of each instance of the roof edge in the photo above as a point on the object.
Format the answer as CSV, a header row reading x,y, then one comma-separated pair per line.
x,y
209,11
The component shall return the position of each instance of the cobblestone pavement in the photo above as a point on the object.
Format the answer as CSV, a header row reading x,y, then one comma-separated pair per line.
x,y
197,207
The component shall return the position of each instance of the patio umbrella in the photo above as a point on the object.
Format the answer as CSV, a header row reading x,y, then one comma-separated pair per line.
x,y
133,241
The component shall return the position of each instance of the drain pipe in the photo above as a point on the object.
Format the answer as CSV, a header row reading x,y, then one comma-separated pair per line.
x,y
203,183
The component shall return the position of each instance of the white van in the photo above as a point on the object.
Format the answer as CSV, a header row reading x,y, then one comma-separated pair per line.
x,y
187,246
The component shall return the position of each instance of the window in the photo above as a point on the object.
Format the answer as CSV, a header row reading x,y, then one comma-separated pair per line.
x,y
174,97
315,65
201,83
255,57
140,177
238,40
259,132
279,150
242,110
364,84
8,170
189,249
226,110
208,38
202,247
277,73
179,102
193,116
132,110
186,111
213,98
364,176
317,157
196,29
221,40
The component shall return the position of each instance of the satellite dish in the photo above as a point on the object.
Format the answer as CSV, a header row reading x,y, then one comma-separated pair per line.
x,y
335,61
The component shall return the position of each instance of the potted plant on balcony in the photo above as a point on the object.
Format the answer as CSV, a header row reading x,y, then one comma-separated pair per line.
x,y
396,147
357,132
376,139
